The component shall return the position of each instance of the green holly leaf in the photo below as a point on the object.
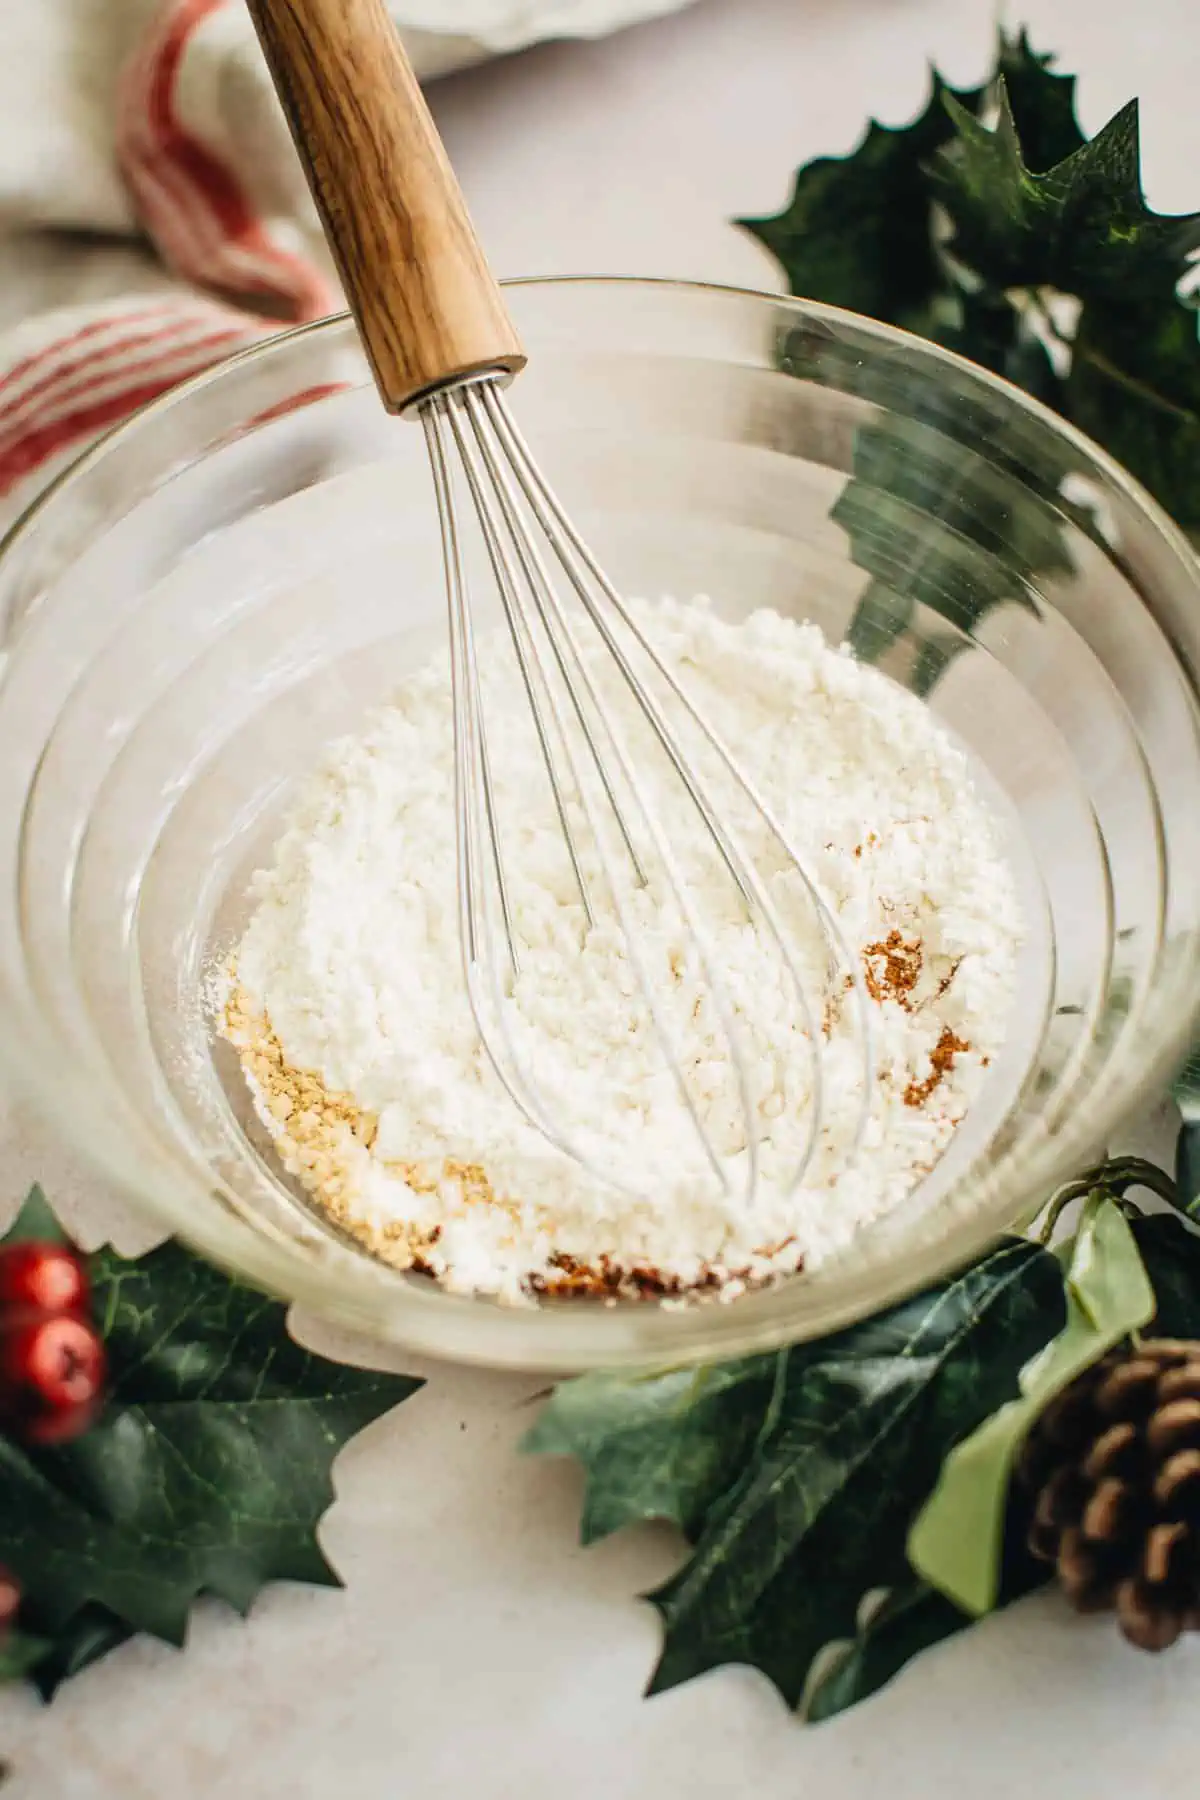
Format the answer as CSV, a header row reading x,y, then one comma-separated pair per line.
x,y
955,1542
998,332
1170,1250
940,526
1186,1089
36,1222
856,231
660,1446
20,1653
1187,1168
932,510
65,1557
1134,386
978,320
1042,102
231,1426
796,1474
856,1433
1082,227
968,228
907,1620
90,1635
946,516
208,1471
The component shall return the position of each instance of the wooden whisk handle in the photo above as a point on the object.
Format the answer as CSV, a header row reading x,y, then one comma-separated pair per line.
x,y
418,283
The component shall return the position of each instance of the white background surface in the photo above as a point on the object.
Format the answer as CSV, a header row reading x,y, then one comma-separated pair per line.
x,y
477,1651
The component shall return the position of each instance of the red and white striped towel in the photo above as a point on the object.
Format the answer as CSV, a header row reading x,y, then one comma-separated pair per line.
x,y
153,215
220,267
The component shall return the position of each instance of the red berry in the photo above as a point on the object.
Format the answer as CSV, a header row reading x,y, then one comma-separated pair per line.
x,y
51,1377
10,1600
42,1277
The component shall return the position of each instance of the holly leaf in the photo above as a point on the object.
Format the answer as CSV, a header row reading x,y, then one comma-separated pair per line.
x,y
938,511
944,508
660,1446
1170,1250
909,1619
855,232
1134,386
65,1557
1082,227
1186,1090
857,1431
955,1542
36,1222
208,1471
1042,102
1187,1168
969,228
20,1653
858,229
90,1635
940,525
231,1426
978,319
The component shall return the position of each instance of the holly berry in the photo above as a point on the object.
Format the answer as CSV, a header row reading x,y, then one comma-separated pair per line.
x,y
10,1600
51,1376
51,1360
42,1277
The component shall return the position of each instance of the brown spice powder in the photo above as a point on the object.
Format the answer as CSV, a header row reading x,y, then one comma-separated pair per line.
x,y
612,1281
941,1061
323,1137
893,968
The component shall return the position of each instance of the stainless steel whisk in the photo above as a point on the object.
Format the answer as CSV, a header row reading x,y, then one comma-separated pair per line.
x,y
442,346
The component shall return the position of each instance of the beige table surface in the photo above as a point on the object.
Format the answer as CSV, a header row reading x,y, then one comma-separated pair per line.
x,y
477,1651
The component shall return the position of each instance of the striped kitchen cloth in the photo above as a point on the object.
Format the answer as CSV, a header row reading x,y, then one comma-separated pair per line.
x,y
201,219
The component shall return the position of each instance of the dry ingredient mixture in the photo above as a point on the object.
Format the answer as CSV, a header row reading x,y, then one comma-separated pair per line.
x,y
345,997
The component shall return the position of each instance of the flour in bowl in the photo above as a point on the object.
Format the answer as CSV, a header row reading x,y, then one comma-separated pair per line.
x,y
346,999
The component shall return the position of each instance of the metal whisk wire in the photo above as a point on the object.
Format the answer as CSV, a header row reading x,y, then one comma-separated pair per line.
x,y
474,793
514,507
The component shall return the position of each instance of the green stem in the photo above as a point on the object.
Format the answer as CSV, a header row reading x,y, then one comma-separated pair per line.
x,y
1064,1196
1131,385
1134,1171
1116,1176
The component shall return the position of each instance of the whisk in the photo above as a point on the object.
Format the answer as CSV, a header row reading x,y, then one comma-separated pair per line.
x,y
442,346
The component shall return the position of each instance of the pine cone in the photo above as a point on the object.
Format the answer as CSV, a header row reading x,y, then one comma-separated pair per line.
x,y
1112,1469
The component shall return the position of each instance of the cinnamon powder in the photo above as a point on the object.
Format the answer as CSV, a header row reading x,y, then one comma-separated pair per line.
x,y
941,1061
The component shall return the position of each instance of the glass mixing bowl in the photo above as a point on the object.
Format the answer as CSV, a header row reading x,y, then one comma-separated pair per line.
x,y
229,580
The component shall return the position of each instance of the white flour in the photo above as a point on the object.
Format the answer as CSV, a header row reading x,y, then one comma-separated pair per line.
x,y
349,1011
